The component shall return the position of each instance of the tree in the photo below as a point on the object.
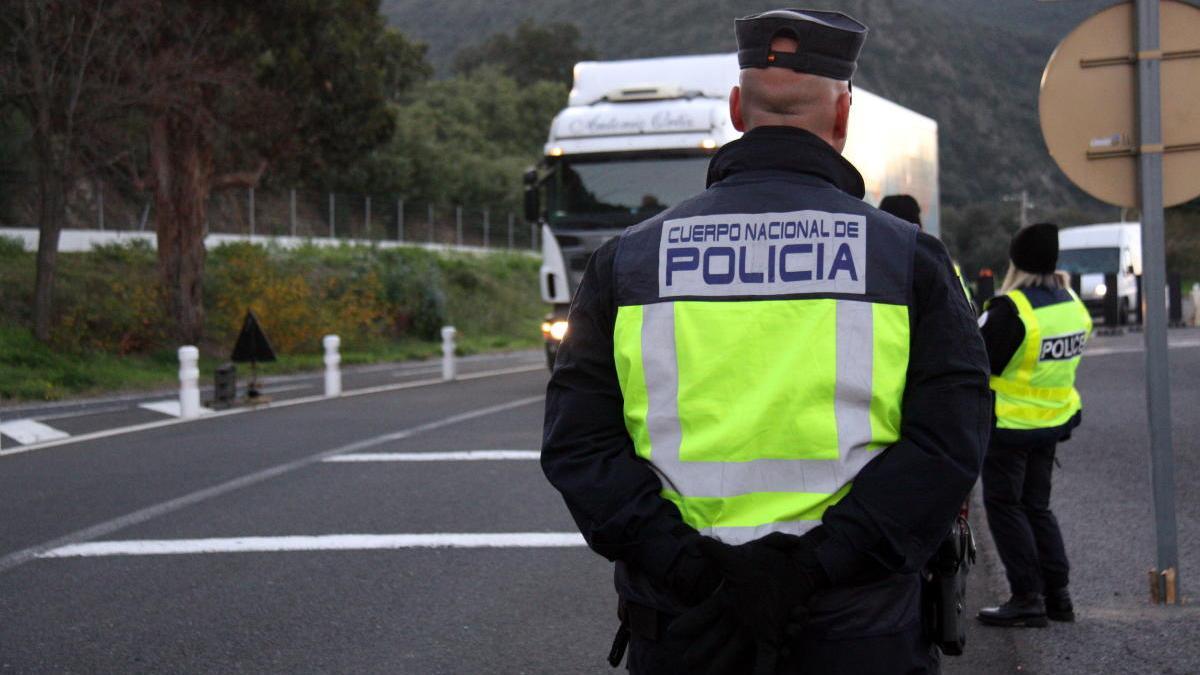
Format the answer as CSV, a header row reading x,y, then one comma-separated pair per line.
x,y
533,52
229,89
58,74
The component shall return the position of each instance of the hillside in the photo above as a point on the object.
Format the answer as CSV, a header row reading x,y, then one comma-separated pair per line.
x,y
973,65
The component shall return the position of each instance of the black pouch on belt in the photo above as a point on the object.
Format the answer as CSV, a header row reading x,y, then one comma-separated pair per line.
x,y
636,619
945,582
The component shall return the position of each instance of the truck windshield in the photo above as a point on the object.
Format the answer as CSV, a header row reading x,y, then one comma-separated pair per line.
x,y
1089,260
616,193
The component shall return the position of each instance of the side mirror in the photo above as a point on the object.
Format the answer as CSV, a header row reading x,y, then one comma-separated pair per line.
x,y
533,206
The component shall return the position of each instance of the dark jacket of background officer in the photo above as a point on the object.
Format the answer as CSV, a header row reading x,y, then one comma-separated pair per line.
x,y
845,596
1035,331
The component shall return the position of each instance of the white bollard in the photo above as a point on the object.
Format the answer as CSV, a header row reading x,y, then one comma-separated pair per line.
x,y
449,364
333,372
189,382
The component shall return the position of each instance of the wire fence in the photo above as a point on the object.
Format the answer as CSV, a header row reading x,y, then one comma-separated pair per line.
x,y
314,214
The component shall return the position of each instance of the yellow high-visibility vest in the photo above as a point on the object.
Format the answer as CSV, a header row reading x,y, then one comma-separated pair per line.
x,y
760,413
1037,388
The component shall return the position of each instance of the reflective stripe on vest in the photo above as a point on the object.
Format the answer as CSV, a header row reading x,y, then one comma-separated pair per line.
x,y
769,444
962,280
1037,388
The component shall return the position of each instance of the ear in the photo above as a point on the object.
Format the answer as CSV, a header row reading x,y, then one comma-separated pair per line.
x,y
841,123
735,108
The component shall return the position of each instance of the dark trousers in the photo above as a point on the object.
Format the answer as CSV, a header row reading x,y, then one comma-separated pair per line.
x,y
1016,495
907,652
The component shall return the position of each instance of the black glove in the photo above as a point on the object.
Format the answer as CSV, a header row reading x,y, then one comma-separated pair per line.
x,y
693,577
765,586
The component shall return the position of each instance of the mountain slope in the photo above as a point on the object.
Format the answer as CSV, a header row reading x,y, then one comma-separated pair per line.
x,y
969,64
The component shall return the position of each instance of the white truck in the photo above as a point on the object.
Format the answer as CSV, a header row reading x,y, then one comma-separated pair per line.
x,y
636,138
1092,251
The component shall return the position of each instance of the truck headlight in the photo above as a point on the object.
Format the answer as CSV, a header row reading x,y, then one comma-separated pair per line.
x,y
1100,291
556,330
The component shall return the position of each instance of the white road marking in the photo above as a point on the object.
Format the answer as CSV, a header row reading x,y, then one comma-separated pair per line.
x,y
27,432
140,516
169,407
459,456
327,542
268,406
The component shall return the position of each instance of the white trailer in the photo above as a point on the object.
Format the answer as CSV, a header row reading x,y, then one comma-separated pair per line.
x,y
636,138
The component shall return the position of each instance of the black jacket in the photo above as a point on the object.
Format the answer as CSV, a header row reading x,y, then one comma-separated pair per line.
x,y
900,505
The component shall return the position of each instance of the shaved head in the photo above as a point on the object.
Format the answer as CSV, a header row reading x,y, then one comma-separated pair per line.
x,y
784,97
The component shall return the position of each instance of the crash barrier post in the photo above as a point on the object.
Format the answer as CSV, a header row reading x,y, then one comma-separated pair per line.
x,y
189,382
449,365
1175,300
1112,302
333,372
985,286
224,386
1138,300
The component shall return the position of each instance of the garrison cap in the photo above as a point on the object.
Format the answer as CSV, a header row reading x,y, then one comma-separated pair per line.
x,y
829,41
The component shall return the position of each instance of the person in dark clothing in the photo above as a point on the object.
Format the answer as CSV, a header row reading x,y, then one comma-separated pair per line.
x,y
904,207
773,397
1035,331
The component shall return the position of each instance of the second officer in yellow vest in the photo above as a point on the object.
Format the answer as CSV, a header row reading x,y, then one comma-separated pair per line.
x,y
773,397
1035,331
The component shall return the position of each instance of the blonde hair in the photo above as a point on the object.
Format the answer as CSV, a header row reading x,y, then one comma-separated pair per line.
x,y
1019,278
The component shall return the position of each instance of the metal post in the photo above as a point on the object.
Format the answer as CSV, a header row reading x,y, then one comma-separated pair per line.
x,y
430,221
399,220
486,226
458,241
367,216
100,205
332,234
292,211
251,195
1158,393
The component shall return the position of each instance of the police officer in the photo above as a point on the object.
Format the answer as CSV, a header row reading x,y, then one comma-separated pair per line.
x,y
1035,331
906,207
773,397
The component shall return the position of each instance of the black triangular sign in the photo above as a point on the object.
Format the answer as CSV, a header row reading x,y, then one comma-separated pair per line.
x,y
252,344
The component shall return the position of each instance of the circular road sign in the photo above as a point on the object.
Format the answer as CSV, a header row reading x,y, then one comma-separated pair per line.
x,y
1088,104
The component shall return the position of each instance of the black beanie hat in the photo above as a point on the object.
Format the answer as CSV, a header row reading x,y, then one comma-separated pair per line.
x,y
1034,248
903,207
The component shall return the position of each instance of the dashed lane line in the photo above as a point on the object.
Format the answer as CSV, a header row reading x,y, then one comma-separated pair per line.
x,y
268,406
326,542
457,456
106,528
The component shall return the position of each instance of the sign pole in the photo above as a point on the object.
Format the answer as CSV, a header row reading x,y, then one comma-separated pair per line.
x,y
1158,393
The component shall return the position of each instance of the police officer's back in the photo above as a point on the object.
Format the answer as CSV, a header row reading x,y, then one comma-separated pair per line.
x,y
773,397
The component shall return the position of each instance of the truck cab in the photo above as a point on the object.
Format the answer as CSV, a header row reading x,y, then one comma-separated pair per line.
x,y
636,138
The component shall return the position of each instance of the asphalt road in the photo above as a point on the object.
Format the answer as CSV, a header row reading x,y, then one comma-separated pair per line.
x,y
279,578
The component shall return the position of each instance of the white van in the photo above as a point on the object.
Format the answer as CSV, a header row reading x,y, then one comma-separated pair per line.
x,y
1091,251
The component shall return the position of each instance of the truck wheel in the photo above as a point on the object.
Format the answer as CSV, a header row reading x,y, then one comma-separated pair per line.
x,y
1123,316
549,359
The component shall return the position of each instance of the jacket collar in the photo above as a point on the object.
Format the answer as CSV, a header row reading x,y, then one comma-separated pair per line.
x,y
786,149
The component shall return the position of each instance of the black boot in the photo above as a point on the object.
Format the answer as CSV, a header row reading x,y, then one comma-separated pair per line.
x,y
1058,605
1024,609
